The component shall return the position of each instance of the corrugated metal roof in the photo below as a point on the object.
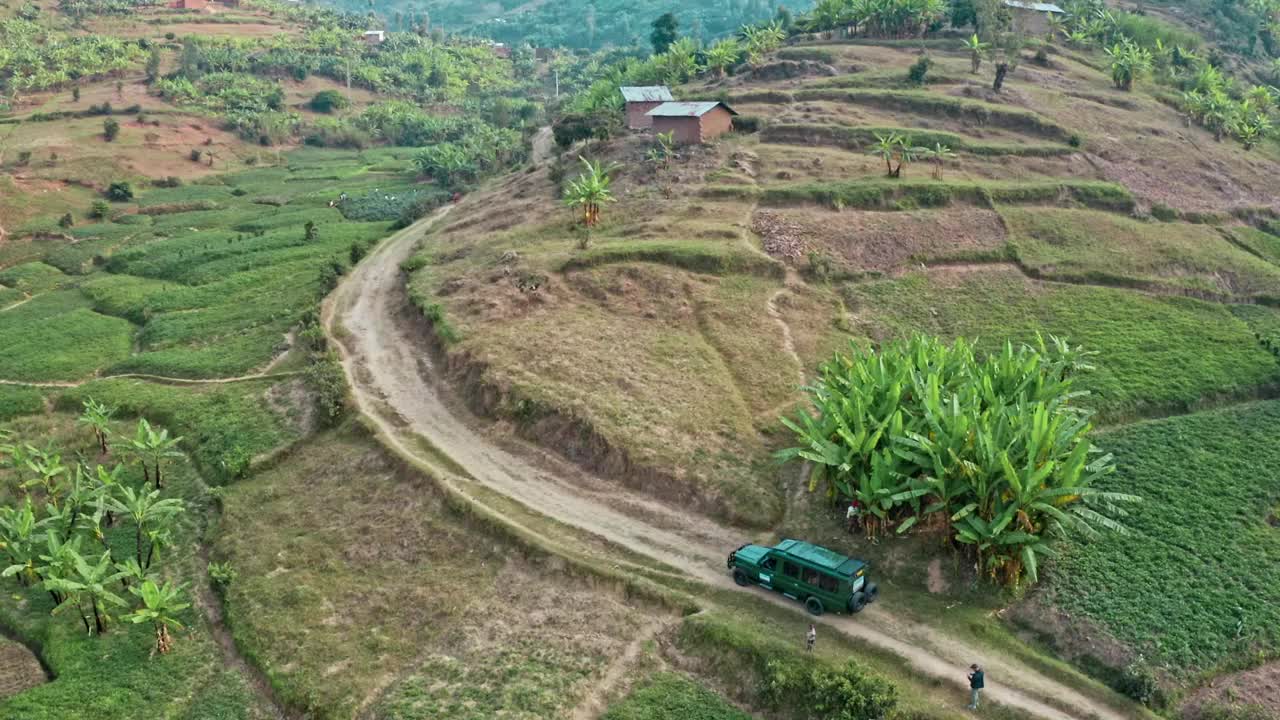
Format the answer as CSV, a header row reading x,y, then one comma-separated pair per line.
x,y
820,556
649,93
1037,6
687,109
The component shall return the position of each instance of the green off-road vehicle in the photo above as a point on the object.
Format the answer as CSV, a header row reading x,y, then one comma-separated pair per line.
x,y
821,579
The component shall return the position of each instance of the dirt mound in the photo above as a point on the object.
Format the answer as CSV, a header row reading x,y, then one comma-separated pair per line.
x,y
19,669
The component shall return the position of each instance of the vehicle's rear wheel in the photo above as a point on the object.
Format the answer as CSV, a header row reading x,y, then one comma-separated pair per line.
x,y
857,602
872,592
741,578
814,606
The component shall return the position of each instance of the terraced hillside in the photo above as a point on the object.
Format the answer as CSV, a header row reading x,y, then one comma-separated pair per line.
x,y
662,354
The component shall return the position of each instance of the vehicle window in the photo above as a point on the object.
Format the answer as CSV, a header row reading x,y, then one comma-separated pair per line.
x,y
828,583
770,563
790,570
811,576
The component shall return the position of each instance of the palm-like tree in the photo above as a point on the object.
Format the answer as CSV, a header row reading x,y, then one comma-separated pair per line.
x,y
894,147
721,56
89,583
1129,62
150,515
18,530
160,606
761,40
591,190
47,471
977,49
97,417
939,154
152,448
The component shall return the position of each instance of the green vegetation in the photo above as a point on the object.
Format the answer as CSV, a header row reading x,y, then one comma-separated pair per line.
x,y
782,678
907,195
923,431
101,640
860,138
667,695
1154,354
1105,248
72,340
1195,587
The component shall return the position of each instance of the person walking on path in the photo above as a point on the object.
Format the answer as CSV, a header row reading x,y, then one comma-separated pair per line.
x,y
810,638
853,516
976,682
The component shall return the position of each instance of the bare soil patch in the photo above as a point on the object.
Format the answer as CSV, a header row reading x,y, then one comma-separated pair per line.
x,y
1258,687
879,240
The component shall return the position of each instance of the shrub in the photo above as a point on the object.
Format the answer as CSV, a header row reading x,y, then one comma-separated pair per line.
x,y
1163,213
99,210
120,192
195,155
169,36
1075,140
326,101
221,574
168,182
919,69
24,158
328,385
66,221
110,129
747,124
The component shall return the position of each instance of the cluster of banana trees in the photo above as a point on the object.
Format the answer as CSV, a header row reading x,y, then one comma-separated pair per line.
x,y
33,58
876,18
1212,100
988,448
65,533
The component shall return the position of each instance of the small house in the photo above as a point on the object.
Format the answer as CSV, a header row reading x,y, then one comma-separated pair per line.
x,y
189,4
501,50
693,122
1032,18
640,100
374,37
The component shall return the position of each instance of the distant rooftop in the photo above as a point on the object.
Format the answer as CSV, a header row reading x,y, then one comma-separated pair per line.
x,y
648,93
1037,6
688,109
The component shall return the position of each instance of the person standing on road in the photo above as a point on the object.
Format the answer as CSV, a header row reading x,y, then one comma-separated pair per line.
x,y
810,638
976,682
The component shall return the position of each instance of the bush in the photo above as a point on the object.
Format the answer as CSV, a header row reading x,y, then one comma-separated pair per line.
x,y
66,221
168,182
120,192
24,158
195,155
326,101
574,127
110,129
1075,140
747,124
99,210
1163,213
916,73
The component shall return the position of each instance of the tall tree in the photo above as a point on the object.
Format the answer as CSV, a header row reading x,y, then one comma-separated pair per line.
x,y
666,29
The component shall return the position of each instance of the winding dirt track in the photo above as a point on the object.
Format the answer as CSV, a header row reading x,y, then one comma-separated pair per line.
x,y
396,387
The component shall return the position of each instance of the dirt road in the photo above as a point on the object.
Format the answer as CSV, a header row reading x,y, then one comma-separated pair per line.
x,y
396,386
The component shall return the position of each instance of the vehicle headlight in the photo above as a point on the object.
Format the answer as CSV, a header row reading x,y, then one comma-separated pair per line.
x,y
857,584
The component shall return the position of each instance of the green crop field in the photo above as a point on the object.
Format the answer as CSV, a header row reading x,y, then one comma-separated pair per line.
x,y
1096,246
1154,353
57,336
668,695
1196,584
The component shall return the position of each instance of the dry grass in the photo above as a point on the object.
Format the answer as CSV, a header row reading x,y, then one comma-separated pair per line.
x,y
358,589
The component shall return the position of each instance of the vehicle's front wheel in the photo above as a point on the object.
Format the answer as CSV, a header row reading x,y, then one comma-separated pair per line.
x,y
872,592
814,606
741,578
857,602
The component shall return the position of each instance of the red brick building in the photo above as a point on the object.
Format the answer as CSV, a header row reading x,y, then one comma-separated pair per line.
x,y
640,100
693,122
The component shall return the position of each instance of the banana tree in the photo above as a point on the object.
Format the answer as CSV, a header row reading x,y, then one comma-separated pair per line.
x,y
152,447
160,606
977,50
18,530
97,417
591,190
150,515
89,584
